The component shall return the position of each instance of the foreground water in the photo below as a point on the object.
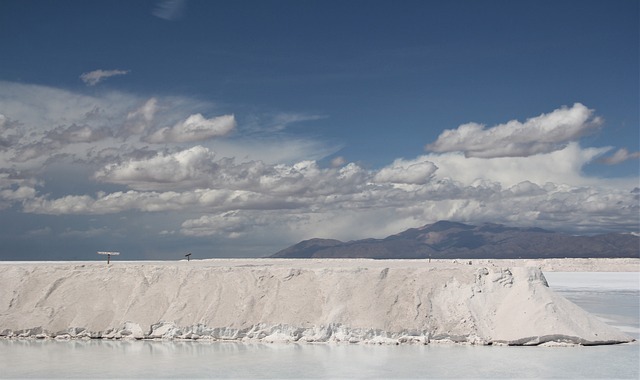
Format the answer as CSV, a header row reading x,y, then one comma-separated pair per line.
x,y
614,297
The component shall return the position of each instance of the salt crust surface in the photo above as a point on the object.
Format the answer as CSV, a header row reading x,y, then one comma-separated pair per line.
x,y
284,300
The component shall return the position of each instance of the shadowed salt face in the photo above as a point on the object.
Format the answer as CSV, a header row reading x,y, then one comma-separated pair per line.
x,y
294,301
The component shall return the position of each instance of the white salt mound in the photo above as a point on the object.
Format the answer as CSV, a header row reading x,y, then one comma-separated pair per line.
x,y
272,300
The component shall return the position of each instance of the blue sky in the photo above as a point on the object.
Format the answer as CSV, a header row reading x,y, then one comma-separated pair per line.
x,y
237,128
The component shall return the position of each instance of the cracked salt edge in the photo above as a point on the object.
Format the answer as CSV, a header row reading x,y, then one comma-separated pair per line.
x,y
334,333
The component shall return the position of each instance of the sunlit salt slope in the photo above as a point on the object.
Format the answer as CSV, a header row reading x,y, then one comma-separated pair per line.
x,y
293,300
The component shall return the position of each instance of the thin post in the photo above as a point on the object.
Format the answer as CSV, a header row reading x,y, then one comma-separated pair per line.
x,y
108,255
188,256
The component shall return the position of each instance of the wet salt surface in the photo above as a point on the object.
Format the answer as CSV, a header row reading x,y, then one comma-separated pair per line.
x,y
617,304
236,360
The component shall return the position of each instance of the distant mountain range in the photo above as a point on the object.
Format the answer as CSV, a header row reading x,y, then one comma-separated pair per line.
x,y
448,240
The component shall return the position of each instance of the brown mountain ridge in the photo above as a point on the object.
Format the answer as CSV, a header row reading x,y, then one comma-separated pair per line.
x,y
448,240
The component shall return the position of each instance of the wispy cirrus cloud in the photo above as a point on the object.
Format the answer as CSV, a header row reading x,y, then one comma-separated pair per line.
x,y
92,78
285,119
276,122
77,134
140,119
170,10
619,156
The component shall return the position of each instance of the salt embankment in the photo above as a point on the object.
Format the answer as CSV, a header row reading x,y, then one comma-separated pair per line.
x,y
275,300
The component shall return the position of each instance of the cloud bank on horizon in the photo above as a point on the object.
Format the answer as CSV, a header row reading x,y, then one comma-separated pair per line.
x,y
160,159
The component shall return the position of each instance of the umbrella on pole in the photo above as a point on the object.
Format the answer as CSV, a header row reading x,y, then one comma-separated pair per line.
x,y
108,255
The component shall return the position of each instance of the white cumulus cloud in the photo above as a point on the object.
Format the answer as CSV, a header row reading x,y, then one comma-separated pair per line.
x,y
560,166
542,134
336,162
190,168
194,128
401,171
